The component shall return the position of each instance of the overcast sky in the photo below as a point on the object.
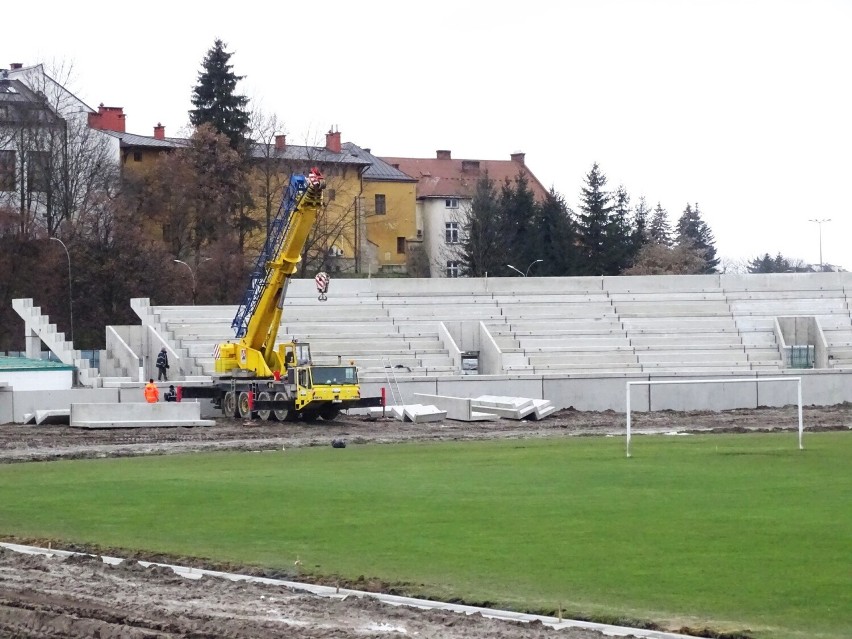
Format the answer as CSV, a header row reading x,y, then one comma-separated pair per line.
x,y
741,106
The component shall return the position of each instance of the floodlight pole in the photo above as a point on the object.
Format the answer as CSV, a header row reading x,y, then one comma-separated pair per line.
x,y
819,222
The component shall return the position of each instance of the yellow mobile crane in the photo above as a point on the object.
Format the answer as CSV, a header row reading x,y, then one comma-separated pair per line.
x,y
254,375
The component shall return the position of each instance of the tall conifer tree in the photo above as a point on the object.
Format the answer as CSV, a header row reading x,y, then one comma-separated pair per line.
x,y
215,99
694,233
595,209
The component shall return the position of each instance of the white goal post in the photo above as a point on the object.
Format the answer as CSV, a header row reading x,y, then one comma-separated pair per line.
x,y
752,380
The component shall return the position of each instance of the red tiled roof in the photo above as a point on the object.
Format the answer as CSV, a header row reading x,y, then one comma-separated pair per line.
x,y
445,177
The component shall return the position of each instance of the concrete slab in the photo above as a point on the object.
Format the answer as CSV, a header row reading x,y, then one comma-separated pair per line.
x,y
391,412
507,407
137,415
419,413
543,408
457,408
52,416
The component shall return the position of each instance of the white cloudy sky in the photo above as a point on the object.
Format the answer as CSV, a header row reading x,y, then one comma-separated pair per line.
x,y
743,106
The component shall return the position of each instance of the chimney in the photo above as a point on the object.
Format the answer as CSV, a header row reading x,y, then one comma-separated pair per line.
x,y
280,142
444,155
16,65
159,132
107,119
470,166
332,141
518,157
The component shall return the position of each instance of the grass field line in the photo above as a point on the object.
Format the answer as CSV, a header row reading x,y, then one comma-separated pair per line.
x,y
189,572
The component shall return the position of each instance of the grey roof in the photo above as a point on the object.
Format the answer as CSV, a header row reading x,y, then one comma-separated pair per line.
x,y
379,169
310,154
131,139
290,153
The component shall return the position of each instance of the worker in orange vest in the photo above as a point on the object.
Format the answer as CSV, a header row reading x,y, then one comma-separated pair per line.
x,y
152,393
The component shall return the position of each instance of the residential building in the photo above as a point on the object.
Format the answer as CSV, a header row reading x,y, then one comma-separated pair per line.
x,y
44,136
445,189
387,205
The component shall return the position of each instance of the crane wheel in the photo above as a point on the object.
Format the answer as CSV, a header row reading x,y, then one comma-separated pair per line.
x,y
281,414
328,413
243,405
265,415
229,404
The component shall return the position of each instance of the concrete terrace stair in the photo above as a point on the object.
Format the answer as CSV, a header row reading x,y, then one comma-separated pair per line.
x,y
37,324
543,326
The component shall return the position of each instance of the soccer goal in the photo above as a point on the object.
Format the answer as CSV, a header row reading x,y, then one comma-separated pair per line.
x,y
751,380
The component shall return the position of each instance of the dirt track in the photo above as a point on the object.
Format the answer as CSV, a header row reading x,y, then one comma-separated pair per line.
x,y
79,597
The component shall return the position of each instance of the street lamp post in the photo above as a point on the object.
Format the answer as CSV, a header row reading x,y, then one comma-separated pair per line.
x,y
70,297
527,272
819,222
192,275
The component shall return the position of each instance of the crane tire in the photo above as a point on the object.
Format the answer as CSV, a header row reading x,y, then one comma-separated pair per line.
x,y
229,404
281,414
243,405
265,415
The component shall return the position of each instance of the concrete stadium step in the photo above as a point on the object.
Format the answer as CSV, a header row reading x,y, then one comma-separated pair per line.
x,y
692,356
684,324
554,298
343,324
666,341
595,309
812,306
566,342
451,300
785,294
611,357
341,343
666,298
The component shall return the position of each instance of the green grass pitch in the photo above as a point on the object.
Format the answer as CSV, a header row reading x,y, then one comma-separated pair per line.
x,y
741,532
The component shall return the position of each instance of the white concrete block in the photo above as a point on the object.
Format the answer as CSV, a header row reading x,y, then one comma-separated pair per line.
x,y
419,413
52,416
137,415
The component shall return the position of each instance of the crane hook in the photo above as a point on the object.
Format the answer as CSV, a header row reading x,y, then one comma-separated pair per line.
x,y
322,282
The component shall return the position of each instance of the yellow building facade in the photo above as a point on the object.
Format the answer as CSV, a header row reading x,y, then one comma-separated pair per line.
x,y
369,222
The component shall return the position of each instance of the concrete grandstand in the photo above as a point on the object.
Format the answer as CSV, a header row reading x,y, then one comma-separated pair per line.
x,y
573,341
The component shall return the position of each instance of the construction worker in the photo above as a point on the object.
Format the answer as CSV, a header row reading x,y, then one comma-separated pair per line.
x,y
152,393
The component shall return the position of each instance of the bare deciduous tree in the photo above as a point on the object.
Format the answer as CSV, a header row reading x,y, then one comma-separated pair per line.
x,y
62,166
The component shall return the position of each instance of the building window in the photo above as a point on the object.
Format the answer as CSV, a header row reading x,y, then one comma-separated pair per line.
x,y
381,205
452,233
330,194
451,203
38,171
137,156
452,268
7,171
400,245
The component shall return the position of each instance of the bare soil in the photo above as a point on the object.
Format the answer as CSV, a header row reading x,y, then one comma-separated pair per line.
x,y
80,596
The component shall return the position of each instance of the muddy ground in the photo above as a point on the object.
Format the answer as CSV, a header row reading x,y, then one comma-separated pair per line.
x,y
78,597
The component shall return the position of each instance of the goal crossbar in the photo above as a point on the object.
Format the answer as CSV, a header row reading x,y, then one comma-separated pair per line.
x,y
754,380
